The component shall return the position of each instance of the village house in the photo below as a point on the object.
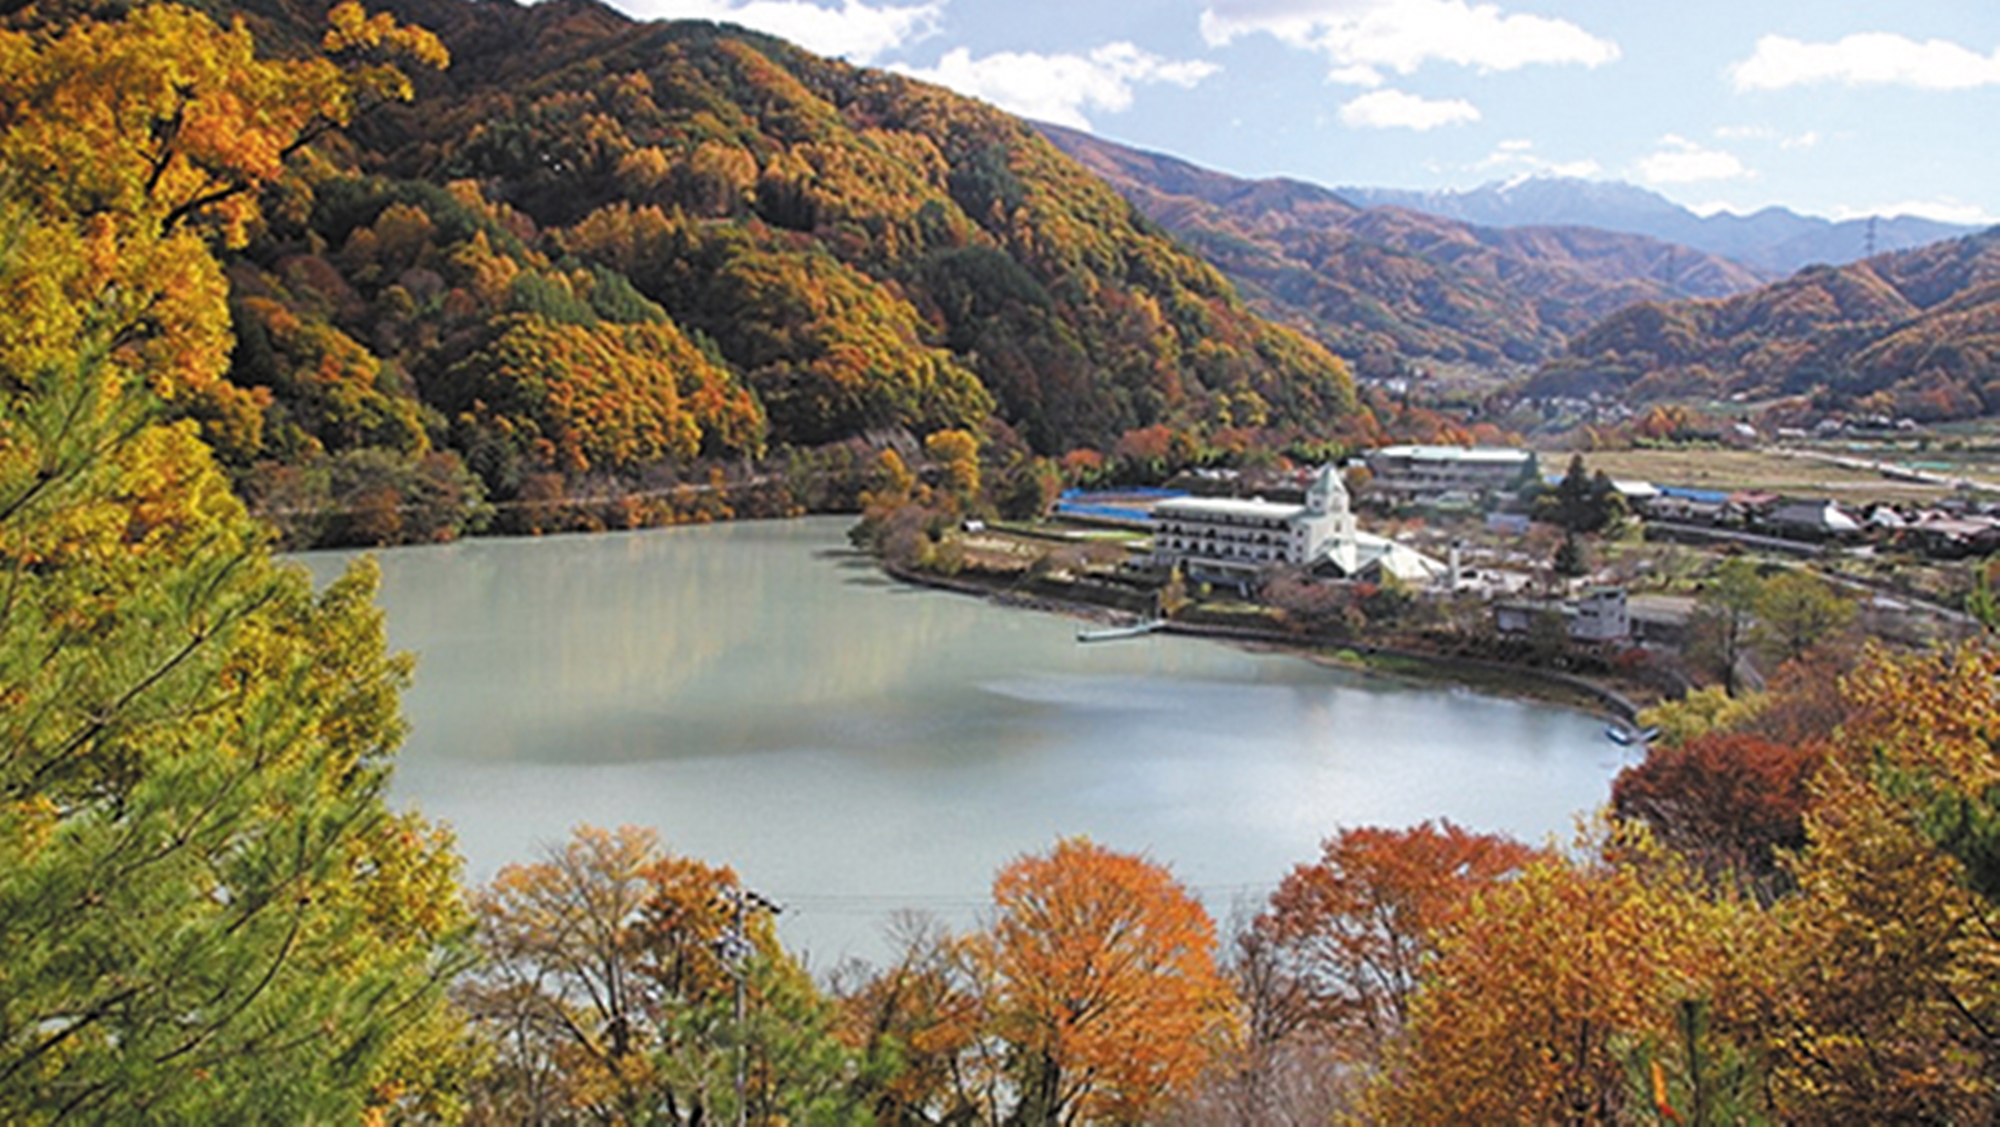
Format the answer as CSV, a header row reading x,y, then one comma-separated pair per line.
x,y
1686,506
1947,537
1596,617
1809,520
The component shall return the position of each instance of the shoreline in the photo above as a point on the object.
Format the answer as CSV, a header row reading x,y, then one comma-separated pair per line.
x,y
1500,679
1504,680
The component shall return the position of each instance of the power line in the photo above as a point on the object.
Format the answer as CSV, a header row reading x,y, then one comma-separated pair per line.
x,y
875,903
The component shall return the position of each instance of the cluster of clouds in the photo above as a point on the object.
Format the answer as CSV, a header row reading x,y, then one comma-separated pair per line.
x,y
856,30
1362,38
1058,88
1373,45
1873,59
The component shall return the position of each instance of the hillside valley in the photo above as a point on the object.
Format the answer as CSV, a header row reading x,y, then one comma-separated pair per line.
x,y
1911,334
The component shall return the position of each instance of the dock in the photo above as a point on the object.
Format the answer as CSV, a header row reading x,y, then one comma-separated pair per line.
x,y
1113,633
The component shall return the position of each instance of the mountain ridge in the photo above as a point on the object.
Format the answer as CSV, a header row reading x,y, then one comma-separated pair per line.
x,y
1384,286
1772,239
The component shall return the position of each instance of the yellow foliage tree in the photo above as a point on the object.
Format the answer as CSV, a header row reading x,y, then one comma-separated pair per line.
x,y
208,912
1540,985
1890,952
957,453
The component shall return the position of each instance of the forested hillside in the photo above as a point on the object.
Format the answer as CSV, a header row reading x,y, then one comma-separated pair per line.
x,y
1915,333
602,257
1386,286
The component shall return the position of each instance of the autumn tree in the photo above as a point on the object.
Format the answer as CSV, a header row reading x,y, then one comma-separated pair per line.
x,y
957,455
1540,988
1327,974
606,995
922,1024
1703,711
1354,927
1728,803
209,913
1106,989
570,398
1888,1006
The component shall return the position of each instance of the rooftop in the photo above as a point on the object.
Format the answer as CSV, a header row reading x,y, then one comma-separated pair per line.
x,y
1228,507
1507,455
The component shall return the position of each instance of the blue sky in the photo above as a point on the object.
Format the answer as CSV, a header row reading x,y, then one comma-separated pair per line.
x,y
1829,107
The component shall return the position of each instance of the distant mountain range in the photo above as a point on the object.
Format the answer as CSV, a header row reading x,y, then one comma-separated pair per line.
x,y
1913,333
1384,286
1774,240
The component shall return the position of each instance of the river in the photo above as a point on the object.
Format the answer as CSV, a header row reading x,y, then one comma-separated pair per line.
x,y
852,746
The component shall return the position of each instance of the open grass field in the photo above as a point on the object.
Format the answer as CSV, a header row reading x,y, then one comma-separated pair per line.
x,y
1732,470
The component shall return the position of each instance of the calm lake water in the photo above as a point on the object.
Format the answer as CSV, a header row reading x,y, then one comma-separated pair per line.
x,y
764,698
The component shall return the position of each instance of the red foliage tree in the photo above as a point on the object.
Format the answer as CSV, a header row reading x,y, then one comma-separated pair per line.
x,y
1726,801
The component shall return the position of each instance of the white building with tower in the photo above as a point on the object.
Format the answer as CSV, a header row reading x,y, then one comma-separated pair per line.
x,y
1236,540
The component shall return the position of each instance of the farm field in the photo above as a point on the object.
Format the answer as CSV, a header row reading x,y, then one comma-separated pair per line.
x,y
1730,470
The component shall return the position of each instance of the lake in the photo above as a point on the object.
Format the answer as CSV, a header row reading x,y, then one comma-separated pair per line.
x,y
853,746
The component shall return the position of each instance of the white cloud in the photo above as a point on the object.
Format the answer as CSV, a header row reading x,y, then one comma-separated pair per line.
x,y
855,30
1058,88
1360,38
1944,210
1867,59
1681,161
1394,109
1804,140
1519,156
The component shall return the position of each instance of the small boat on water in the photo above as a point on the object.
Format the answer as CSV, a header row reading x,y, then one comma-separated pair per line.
x,y
1113,633
1629,737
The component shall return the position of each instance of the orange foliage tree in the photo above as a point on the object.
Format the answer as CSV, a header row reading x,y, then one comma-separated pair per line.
x,y
199,124
573,397
1106,985
1353,929
926,1016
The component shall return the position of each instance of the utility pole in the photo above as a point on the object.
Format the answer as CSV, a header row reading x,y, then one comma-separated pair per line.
x,y
734,949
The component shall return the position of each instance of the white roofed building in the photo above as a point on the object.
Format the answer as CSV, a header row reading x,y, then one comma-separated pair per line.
x,y
1416,473
1236,540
